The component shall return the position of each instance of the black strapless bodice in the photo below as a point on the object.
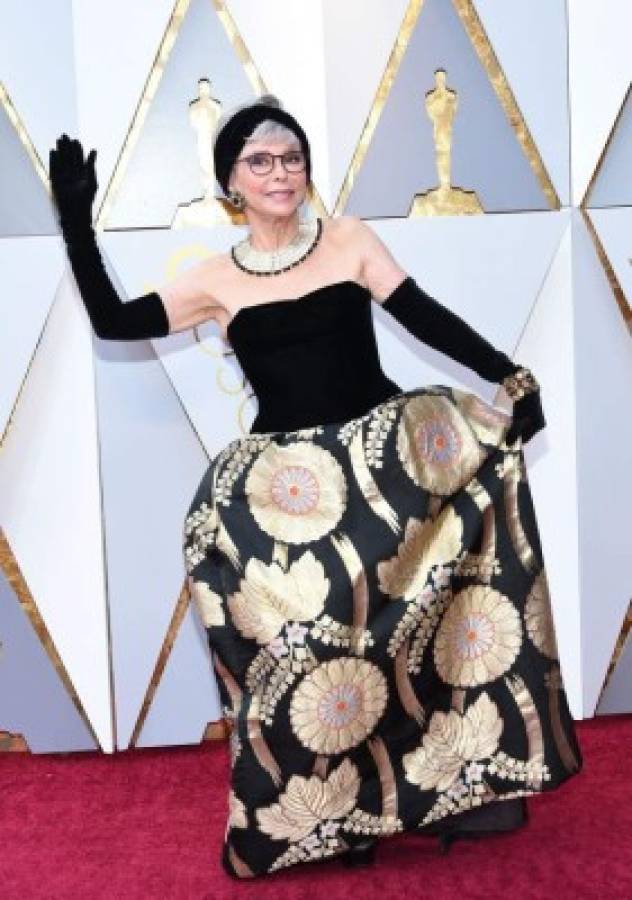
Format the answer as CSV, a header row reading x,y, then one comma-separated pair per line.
x,y
313,360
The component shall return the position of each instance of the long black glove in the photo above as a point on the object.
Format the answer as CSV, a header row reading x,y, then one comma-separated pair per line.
x,y
74,186
440,328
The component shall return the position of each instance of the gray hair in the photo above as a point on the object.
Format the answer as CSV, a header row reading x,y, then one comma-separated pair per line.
x,y
268,129
273,131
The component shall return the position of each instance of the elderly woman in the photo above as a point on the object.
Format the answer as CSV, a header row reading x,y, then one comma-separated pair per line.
x,y
366,560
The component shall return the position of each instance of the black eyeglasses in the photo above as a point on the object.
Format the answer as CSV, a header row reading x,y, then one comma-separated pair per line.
x,y
262,163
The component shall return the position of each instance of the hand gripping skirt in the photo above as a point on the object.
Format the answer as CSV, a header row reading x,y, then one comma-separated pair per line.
x,y
379,621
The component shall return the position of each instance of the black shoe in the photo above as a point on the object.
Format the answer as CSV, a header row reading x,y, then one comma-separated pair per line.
x,y
360,855
481,822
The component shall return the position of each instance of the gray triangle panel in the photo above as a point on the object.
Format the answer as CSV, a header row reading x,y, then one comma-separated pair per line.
x,y
486,156
25,206
613,184
163,170
33,700
617,697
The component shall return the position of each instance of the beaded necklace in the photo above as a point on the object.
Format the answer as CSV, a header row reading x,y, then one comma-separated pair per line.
x,y
273,262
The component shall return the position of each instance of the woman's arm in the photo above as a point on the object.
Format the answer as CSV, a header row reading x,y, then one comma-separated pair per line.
x,y
422,315
187,298
443,330
180,304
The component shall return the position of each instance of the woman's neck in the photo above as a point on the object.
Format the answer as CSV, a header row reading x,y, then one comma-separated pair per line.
x,y
272,233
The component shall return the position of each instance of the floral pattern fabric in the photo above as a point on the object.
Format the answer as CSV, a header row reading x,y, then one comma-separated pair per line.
x,y
379,620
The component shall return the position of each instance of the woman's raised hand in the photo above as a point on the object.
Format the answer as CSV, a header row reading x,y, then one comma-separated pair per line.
x,y
74,185
73,182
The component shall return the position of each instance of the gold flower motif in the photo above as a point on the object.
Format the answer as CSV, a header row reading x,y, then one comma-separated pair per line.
x,y
479,637
297,493
269,597
452,740
433,542
436,448
308,801
338,704
236,811
539,619
209,603
488,423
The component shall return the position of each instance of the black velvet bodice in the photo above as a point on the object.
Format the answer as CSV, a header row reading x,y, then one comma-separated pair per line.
x,y
312,360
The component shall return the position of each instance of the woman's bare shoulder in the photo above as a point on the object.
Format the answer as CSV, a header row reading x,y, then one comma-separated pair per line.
x,y
344,237
344,228
356,234
380,271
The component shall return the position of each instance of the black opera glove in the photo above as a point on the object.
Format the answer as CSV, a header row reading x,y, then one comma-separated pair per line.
x,y
440,328
74,186
528,416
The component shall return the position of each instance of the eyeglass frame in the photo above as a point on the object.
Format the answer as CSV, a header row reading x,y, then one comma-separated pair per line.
x,y
274,156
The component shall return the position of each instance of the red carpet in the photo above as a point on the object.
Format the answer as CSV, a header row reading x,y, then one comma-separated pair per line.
x,y
149,824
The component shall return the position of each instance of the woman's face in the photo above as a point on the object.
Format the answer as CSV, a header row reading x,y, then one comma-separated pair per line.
x,y
279,192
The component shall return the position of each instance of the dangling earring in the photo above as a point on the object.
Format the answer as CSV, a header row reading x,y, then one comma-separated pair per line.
x,y
237,199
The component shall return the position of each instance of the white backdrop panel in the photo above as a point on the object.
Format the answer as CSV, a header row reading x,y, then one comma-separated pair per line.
x,y
151,464
37,67
547,348
50,502
26,297
604,438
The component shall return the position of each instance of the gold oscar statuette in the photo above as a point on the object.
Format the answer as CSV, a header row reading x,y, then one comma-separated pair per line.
x,y
444,200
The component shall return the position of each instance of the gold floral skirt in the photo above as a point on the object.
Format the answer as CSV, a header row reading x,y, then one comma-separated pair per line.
x,y
379,621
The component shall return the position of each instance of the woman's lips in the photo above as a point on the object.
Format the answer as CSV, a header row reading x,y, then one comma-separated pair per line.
x,y
280,193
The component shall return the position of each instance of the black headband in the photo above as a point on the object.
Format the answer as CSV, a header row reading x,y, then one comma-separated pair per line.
x,y
231,139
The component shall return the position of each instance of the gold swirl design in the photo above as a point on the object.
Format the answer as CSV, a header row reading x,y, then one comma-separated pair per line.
x,y
369,489
533,728
523,548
